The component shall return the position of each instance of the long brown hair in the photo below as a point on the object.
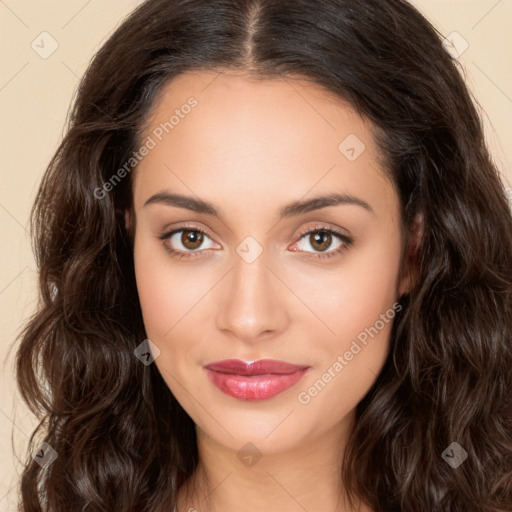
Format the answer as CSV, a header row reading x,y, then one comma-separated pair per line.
x,y
123,441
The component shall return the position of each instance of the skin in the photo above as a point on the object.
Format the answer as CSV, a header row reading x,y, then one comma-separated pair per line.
x,y
250,147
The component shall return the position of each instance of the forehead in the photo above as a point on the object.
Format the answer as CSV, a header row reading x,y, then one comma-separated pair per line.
x,y
255,139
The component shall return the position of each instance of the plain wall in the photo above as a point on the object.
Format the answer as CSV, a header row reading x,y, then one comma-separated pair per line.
x,y
35,94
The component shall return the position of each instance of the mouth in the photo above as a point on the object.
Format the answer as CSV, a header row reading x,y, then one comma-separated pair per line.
x,y
258,380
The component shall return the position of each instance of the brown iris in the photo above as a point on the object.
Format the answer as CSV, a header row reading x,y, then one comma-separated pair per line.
x,y
194,238
322,240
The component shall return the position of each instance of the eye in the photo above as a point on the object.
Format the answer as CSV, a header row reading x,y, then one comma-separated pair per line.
x,y
184,241
321,239
188,242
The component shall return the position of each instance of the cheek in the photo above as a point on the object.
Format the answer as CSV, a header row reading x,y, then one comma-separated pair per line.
x,y
165,297
359,305
156,300
352,297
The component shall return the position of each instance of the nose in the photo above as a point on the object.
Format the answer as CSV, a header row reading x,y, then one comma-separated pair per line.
x,y
252,302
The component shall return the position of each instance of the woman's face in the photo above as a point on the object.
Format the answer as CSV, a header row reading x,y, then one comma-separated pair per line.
x,y
264,281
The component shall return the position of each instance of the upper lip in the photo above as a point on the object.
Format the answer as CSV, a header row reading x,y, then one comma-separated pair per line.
x,y
261,367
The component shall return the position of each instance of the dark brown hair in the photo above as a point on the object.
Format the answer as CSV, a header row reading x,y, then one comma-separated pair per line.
x,y
123,441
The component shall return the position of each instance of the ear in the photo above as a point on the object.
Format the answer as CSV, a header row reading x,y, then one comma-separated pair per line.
x,y
410,264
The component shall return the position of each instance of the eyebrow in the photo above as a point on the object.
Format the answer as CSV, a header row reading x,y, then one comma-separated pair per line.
x,y
292,209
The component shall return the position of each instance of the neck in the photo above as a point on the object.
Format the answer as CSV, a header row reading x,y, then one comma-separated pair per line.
x,y
305,478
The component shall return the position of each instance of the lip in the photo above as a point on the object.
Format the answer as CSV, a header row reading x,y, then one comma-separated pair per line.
x,y
258,380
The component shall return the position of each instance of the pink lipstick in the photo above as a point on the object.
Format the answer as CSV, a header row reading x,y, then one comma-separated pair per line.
x,y
259,380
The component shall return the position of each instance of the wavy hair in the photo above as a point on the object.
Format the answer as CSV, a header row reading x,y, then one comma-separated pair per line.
x,y
123,441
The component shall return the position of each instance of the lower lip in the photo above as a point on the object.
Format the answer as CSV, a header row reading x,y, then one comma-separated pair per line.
x,y
256,387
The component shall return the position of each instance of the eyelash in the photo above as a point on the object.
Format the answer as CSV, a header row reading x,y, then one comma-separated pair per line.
x,y
347,242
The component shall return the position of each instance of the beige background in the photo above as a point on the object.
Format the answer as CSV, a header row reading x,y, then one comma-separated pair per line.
x,y
35,94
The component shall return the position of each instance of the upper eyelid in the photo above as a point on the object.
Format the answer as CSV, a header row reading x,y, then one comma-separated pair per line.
x,y
335,231
167,233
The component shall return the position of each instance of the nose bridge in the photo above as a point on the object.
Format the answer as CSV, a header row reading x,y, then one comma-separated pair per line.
x,y
249,302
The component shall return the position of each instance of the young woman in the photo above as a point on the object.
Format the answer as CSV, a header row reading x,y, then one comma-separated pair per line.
x,y
276,272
